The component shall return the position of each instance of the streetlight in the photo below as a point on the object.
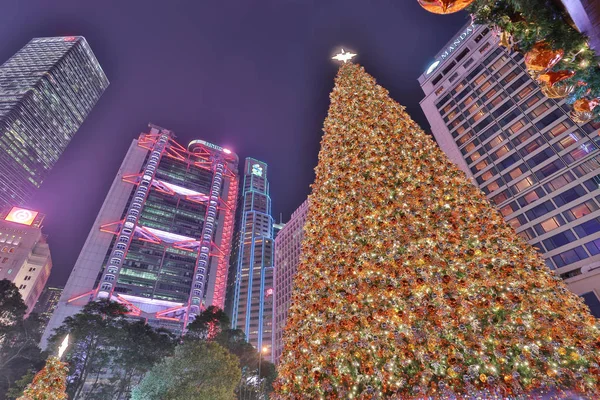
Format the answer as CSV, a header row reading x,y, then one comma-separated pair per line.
x,y
63,346
264,350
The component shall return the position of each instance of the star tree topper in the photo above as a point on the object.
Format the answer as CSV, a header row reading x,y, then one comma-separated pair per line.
x,y
344,56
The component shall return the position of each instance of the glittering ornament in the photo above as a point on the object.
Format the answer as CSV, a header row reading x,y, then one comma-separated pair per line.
x,y
411,285
586,105
444,6
541,58
557,91
506,40
551,78
583,110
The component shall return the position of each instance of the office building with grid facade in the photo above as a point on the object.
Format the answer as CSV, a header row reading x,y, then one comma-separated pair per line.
x,y
47,89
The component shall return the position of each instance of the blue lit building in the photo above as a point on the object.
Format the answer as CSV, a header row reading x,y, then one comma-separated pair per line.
x,y
252,287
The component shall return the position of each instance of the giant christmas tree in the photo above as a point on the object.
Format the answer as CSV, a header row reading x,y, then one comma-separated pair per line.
x,y
411,284
50,383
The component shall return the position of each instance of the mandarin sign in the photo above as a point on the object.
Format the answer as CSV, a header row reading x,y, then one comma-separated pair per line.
x,y
458,41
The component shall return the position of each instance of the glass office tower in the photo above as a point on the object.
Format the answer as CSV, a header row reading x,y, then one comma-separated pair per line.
x,y
161,242
47,89
540,169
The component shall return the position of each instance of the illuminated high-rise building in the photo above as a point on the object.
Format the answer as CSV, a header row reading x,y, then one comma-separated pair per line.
x,y
288,244
540,169
24,253
47,89
253,285
161,242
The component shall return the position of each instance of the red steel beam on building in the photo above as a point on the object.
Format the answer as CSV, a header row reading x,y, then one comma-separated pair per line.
x,y
228,224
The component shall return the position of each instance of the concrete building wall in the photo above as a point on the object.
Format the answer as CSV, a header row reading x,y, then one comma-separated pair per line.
x,y
288,245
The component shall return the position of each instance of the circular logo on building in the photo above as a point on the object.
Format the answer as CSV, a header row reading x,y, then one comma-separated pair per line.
x,y
257,170
21,216
270,292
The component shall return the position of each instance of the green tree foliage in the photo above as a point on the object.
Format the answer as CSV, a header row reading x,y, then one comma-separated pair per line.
x,y
109,353
19,386
92,333
197,370
210,323
19,337
213,325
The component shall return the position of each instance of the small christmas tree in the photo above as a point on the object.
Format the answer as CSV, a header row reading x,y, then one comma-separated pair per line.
x,y
50,383
411,285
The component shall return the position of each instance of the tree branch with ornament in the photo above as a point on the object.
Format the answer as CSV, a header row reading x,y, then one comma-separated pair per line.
x,y
557,55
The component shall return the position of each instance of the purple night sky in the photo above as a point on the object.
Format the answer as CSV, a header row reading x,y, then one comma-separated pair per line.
x,y
250,75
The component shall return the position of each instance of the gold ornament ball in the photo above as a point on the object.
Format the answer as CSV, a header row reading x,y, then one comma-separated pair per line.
x,y
444,6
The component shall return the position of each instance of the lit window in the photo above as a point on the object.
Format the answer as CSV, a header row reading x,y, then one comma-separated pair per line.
x,y
524,184
550,224
487,175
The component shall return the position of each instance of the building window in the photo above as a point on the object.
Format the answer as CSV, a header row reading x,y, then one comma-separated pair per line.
x,y
523,184
569,257
559,240
559,182
581,210
591,300
540,210
587,228
549,169
517,172
569,195
550,224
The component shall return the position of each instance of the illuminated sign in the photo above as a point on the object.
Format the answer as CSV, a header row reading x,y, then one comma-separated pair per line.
x,y
212,146
432,67
21,216
270,292
458,41
257,170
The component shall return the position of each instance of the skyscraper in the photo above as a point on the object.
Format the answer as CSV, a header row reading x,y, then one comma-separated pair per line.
x,y
24,253
161,242
47,89
253,286
538,167
46,305
288,244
